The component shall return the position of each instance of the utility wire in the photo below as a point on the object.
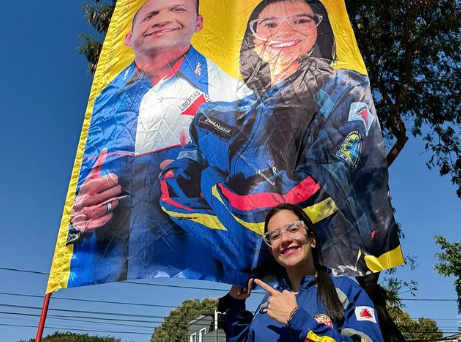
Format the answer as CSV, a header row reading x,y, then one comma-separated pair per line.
x,y
128,282
82,330
89,300
98,320
430,299
92,312
22,271
88,320
81,311
213,288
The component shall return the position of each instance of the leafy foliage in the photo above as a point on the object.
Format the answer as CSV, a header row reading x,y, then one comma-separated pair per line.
x,y
71,337
99,16
421,329
176,325
450,263
91,49
411,49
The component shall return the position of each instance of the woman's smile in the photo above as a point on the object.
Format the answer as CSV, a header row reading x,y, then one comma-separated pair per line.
x,y
284,44
289,250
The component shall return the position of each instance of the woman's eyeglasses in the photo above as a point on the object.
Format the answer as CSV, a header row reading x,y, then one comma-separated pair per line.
x,y
291,229
265,28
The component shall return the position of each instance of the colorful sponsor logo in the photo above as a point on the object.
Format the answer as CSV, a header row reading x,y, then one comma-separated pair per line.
x,y
359,111
321,318
351,149
198,69
365,313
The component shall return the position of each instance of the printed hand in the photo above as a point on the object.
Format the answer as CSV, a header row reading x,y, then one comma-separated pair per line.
x,y
281,304
238,292
97,198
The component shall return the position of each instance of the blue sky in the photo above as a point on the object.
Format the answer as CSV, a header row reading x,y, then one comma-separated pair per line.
x,y
44,90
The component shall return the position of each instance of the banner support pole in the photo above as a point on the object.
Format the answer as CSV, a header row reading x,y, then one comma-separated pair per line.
x,y
41,323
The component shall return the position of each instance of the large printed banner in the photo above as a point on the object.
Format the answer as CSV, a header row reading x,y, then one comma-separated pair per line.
x,y
202,119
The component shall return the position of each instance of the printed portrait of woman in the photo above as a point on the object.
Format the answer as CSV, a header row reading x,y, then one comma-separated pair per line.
x,y
308,135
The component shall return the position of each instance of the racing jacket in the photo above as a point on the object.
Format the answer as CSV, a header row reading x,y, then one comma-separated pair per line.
x,y
141,241
313,140
310,322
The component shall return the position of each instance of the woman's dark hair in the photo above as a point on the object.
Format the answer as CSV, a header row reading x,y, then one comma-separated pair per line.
x,y
326,291
255,72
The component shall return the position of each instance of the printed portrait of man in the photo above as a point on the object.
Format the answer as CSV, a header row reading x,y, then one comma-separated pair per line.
x,y
140,123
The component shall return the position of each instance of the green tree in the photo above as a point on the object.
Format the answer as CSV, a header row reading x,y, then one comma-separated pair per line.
x,y
71,337
411,49
98,16
175,327
420,329
450,263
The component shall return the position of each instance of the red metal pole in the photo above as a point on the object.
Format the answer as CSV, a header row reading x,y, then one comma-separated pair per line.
x,y
41,324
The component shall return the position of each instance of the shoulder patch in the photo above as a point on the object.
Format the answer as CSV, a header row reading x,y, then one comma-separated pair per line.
x,y
359,111
351,149
365,313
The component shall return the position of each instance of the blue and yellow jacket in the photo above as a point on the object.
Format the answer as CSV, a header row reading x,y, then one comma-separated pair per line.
x,y
310,322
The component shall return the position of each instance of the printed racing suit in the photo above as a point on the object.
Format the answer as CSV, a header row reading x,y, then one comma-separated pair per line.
x,y
142,125
316,146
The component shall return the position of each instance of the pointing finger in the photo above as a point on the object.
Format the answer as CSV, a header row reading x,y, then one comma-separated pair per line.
x,y
266,287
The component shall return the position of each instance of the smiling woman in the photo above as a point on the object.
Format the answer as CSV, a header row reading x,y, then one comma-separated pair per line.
x,y
284,33
308,304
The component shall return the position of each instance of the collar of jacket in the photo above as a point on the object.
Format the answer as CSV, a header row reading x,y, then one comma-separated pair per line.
x,y
306,282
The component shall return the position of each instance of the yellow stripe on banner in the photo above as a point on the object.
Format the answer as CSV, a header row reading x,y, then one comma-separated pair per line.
x,y
209,221
387,260
316,212
114,58
321,211
257,227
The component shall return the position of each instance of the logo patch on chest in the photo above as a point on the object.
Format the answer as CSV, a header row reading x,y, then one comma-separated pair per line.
x,y
350,149
193,103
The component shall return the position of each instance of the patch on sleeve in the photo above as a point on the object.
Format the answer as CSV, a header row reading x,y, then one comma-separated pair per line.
x,y
365,313
321,318
359,111
351,149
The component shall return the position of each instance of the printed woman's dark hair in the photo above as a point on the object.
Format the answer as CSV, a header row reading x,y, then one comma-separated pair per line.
x,y
326,291
255,72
